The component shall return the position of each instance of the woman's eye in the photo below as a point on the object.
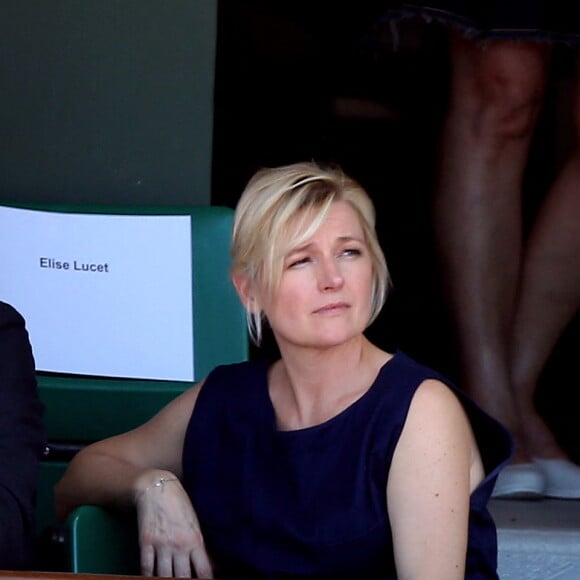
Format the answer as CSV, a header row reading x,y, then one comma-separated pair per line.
x,y
298,262
351,252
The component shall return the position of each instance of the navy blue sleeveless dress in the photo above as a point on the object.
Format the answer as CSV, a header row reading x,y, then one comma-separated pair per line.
x,y
311,503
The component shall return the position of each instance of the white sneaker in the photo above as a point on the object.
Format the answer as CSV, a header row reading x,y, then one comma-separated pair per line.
x,y
520,481
562,478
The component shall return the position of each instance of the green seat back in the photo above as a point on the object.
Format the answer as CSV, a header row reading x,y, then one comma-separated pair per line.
x,y
84,409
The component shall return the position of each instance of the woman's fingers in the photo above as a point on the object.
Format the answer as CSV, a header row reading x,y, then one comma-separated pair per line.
x,y
177,559
182,566
147,560
164,563
201,563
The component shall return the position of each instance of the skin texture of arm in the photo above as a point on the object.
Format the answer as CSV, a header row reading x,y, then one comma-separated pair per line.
x,y
22,441
122,472
435,467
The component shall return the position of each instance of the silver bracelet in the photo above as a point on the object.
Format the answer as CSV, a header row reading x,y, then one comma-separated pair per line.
x,y
160,483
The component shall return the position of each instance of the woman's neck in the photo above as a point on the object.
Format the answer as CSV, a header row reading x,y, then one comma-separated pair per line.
x,y
309,388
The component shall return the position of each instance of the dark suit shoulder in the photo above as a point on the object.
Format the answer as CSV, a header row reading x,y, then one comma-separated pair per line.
x,y
9,316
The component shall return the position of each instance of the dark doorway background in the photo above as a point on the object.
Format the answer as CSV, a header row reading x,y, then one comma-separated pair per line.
x,y
310,81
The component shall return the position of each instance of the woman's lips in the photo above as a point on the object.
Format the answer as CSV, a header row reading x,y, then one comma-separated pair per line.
x,y
335,307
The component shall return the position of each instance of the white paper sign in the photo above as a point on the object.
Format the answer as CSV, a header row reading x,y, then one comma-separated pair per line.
x,y
104,295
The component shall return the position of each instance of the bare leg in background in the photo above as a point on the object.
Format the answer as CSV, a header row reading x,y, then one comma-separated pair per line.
x,y
549,294
496,93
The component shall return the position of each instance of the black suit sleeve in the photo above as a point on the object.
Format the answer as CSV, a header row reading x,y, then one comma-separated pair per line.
x,y
22,441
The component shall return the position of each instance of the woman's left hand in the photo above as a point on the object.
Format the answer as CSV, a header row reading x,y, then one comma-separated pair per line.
x,y
169,532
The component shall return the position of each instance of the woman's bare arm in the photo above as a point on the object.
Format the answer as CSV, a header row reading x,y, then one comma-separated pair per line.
x,y
127,470
435,467
114,471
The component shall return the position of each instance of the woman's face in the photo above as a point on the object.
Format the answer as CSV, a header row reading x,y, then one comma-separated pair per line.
x,y
324,296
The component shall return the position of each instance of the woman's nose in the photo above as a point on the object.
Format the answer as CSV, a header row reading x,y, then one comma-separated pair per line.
x,y
329,275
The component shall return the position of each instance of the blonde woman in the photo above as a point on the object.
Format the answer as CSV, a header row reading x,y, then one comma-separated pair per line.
x,y
338,460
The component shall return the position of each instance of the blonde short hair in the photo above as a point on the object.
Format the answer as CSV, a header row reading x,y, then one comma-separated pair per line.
x,y
281,208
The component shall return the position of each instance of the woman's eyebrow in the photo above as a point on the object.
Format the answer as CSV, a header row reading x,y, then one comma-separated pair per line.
x,y
351,239
298,249
341,239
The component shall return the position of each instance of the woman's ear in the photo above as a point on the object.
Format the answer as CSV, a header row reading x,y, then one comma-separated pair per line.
x,y
246,292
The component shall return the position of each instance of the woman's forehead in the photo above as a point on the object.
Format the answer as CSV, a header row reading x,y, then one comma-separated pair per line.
x,y
341,218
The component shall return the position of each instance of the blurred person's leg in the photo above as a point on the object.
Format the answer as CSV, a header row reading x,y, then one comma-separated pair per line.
x,y
549,294
497,88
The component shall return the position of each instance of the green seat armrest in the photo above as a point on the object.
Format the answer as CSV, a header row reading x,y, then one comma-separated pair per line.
x,y
103,541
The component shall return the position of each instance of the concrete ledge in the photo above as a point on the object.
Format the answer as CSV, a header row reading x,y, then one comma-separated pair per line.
x,y
538,540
